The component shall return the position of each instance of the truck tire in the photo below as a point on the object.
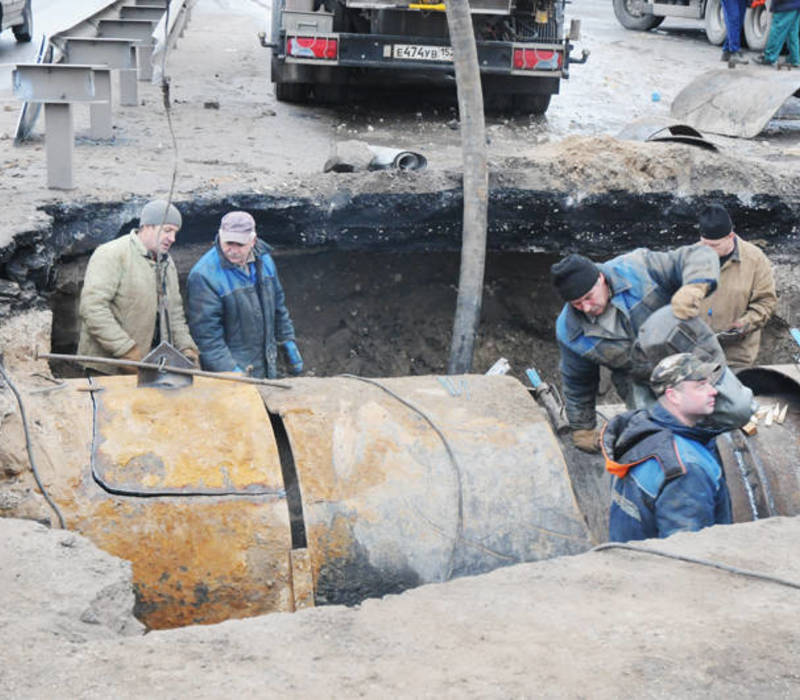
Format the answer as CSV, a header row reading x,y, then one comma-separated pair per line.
x,y
531,104
631,15
716,31
23,32
756,27
291,92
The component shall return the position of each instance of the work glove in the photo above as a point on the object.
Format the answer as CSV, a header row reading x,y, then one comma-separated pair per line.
x,y
293,357
587,440
191,355
686,301
133,354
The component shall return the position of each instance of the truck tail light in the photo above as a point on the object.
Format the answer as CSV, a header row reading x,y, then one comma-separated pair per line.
x,y
536,59
312,47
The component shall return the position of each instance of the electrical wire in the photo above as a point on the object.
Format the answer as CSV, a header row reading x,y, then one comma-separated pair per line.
x,y
702,562
456,467
29,446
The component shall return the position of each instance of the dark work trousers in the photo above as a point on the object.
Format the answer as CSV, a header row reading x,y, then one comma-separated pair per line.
x,y
733,10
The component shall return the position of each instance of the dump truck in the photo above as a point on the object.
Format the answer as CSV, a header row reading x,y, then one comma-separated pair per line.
x,y
322,47
643,15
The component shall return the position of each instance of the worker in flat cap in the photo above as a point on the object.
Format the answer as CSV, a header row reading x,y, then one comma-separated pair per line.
x,y
606,304
667,475
120,297
745,298
237,307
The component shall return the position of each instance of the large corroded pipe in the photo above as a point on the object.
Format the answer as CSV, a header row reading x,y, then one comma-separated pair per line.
x,y
230,502
762,469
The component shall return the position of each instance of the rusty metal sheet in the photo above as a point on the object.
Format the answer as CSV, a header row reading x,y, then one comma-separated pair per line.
x,y
195,559
203,439
386,508
734,102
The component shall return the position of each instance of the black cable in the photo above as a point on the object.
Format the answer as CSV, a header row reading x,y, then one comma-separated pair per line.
x,y
456,468
29,446
701,562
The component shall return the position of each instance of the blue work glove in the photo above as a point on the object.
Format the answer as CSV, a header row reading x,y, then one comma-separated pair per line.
x,y
293,357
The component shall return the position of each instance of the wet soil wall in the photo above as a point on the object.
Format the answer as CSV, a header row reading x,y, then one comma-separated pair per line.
x,y
371,279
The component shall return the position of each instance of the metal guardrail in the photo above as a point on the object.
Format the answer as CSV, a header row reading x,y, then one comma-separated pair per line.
x,y
150,45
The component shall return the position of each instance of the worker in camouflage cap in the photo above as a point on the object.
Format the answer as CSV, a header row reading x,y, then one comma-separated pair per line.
x,y
681,367
667,474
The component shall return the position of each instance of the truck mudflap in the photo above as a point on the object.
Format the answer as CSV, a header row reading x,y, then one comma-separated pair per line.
x,y
548,60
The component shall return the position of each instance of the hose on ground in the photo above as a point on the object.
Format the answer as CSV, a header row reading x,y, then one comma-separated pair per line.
x,y
29,445
702,562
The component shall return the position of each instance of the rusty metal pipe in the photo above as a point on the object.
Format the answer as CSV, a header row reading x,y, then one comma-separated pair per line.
x,y
116,362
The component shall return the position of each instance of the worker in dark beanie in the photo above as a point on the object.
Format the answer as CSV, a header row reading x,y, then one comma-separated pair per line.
x,y
746,297
119,300
574,276
606,303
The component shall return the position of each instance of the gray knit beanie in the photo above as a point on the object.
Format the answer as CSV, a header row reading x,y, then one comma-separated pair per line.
x,y
153,214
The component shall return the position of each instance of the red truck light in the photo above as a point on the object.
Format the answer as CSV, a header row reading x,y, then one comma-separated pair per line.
x,y
536,59
312,47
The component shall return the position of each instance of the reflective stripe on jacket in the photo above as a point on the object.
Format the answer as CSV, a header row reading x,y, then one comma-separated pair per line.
x,y
640,282
238,316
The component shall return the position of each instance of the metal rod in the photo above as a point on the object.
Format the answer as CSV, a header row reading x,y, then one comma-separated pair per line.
x,y
166,368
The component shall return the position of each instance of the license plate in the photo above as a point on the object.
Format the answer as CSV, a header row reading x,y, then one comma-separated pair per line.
x,y
419,52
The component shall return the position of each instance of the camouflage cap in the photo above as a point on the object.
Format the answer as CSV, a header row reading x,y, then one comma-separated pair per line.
x,y
674,369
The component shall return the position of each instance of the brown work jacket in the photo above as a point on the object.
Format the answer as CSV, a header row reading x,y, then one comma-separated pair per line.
x,y
746,292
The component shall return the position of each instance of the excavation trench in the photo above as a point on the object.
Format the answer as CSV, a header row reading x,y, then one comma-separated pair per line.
x,y
357,496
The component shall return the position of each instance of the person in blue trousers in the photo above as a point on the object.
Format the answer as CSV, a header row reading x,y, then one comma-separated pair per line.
x,y
784,29
733,11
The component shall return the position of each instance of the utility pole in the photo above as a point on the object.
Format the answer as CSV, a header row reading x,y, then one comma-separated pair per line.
x,y
475,185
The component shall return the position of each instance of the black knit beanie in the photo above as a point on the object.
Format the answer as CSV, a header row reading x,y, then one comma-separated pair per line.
x,y
574,276
715,222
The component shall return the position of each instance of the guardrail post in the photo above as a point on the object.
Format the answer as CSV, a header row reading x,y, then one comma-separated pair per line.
x,y
57,86
144,61
59,144
100,112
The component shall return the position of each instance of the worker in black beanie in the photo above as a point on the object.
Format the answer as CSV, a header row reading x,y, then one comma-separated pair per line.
x,y
747,298
574,276
606,303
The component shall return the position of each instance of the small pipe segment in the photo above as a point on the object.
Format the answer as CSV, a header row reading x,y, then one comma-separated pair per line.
x,y
149,365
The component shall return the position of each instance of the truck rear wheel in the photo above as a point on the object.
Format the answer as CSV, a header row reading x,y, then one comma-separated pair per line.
x,y
756,27
291,92
631,15
531,104
716,31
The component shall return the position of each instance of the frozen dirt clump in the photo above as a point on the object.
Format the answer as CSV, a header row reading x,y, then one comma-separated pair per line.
x,y
57,584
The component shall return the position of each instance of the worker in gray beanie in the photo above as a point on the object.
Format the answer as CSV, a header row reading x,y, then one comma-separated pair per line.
x,y
119,301
606,304
746,298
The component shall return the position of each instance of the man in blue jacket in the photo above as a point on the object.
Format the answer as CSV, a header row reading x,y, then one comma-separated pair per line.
x,y
237,309
607,304
668,476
